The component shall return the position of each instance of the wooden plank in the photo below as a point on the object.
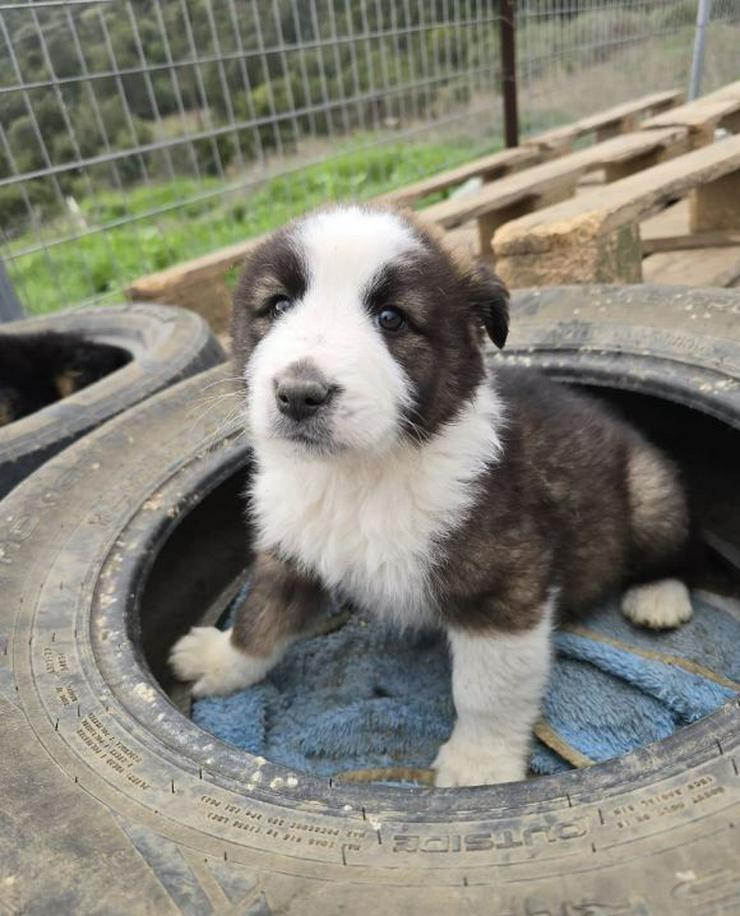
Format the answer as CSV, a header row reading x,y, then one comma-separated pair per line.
x,y
595,237
700,267
715,205
704,113
690,242
632,198
487,167
731,89
674,220
542,179
199,284
464,239
653,102
558,137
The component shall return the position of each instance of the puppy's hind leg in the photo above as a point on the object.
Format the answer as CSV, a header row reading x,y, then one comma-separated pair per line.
x,y
659,521
280,606
498,680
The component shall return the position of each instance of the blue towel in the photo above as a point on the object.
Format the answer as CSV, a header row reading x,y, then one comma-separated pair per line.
x,y
365,697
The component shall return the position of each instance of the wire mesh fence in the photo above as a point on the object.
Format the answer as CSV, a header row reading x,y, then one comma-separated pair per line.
x,y
576,56
138,133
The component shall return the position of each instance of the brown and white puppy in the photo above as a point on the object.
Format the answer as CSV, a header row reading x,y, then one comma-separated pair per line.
x,y
392,467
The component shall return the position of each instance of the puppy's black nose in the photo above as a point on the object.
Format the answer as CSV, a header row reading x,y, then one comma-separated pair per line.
x,y
301,391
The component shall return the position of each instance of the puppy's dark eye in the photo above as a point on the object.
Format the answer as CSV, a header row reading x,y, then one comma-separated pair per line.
x,y
280,305
390,319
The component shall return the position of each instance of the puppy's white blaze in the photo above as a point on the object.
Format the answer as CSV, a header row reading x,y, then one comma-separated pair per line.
x,y
498,681
343,250
347,246
370,527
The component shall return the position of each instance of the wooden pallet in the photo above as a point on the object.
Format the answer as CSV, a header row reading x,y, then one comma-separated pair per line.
x,y
596,237
703,116
511,197
604,124
674,256
488,168
620,119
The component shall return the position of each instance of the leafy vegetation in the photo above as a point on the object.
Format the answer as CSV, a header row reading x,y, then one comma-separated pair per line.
x,y
265,100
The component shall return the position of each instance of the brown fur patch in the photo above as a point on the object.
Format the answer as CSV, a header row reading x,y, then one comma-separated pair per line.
x,y
558,511
281,603
7,414
659,513
66,383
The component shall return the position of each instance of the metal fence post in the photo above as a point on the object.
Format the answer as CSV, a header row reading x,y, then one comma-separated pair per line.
x,y
508,72
697,63
10,306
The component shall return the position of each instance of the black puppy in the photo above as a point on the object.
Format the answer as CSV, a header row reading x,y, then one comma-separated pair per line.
x,y
38,369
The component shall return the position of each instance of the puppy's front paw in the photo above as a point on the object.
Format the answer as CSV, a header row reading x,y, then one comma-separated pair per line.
x,y
658,605
208,657
464,763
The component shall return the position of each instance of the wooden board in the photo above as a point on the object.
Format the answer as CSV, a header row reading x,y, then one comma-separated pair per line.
x,y
653,102
595,238
496,164
699,267
199,284
689,242
633,198
672,221
703,115
731,89
624,112
464,239
563,172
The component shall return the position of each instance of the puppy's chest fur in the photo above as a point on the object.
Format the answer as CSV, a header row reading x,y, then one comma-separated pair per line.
x,y
375,528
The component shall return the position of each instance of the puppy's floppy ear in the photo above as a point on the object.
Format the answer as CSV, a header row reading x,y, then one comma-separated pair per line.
x,y
489,298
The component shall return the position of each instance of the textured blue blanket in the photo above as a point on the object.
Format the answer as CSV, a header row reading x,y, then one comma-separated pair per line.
x,y
364,697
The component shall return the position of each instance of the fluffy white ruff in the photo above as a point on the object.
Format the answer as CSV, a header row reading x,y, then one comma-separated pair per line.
x,y
207,657
343,250
372,527
658,605
497,683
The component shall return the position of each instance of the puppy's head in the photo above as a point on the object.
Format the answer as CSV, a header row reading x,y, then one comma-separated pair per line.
x,y
83,363
354,328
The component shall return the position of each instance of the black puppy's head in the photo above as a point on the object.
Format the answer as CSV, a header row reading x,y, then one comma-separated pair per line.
x,y
85,362
38,369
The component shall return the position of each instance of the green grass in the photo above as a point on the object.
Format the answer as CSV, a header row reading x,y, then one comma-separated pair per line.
x,y
97,267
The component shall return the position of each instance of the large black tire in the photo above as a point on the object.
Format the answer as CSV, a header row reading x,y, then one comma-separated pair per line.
x,y
166,344
114,802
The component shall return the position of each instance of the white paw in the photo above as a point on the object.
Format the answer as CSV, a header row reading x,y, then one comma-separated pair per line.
x,y
208,657
658,605
462,763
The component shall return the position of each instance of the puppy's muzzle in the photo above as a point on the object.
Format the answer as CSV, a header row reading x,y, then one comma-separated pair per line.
x,y
301,391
